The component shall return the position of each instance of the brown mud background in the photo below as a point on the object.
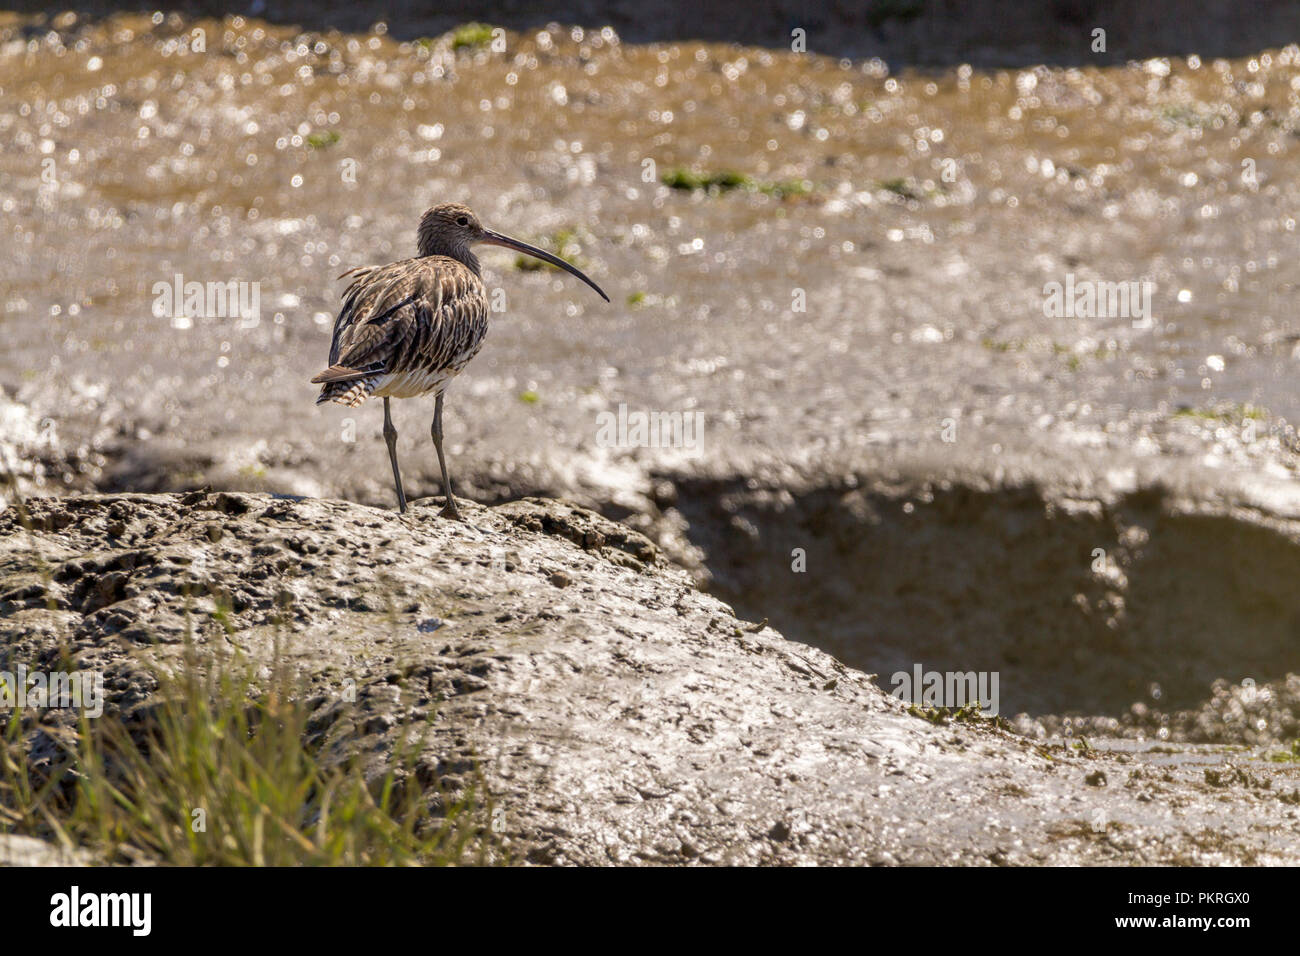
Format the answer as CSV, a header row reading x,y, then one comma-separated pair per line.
x,y
949,459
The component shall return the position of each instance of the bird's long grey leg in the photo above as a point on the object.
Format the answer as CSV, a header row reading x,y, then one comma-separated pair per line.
x,y
449,510
390,436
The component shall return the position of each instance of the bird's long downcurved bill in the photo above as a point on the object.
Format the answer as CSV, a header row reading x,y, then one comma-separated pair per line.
x,y
496,239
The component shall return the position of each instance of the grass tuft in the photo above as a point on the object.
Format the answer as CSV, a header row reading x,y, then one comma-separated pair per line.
x,y
217,772
471,36
323,139
1228,413
726,180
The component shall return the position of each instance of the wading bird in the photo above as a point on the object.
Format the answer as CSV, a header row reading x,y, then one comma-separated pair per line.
x,y
408,328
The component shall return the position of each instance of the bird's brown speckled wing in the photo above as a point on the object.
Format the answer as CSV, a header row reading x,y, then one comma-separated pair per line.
x,y
418,315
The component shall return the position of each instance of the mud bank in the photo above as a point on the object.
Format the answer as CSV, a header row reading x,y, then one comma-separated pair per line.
x,y
1130,606
1121,599
617,714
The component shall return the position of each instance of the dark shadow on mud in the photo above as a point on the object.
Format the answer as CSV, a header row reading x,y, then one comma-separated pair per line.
x,y
924,33
966,580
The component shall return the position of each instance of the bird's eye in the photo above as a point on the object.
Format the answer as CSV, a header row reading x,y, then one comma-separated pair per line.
x,y
462,221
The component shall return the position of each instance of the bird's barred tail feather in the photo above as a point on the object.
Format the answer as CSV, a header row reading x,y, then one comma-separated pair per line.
x,y
350,394
346,386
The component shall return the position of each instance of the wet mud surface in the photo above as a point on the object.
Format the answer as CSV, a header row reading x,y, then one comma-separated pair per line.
x,y
948,457
548,639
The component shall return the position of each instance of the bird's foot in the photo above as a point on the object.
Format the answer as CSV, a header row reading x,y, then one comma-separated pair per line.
x,y
449,510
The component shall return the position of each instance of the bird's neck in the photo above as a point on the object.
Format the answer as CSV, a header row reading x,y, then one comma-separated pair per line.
x,y
467,257
461,254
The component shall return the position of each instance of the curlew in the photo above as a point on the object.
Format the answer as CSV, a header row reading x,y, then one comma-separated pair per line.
x,y
408,328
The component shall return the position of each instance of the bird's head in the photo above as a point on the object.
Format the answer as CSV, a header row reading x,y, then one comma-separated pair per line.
x,y
449,225
451,228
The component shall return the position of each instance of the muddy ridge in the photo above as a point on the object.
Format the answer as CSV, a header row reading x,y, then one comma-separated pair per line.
x,y
548,638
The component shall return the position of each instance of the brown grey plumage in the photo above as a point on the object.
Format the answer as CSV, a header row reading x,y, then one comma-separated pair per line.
x,y
408,328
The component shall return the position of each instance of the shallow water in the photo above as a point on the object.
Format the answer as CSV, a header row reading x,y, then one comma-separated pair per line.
x,y
131,159
939,206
